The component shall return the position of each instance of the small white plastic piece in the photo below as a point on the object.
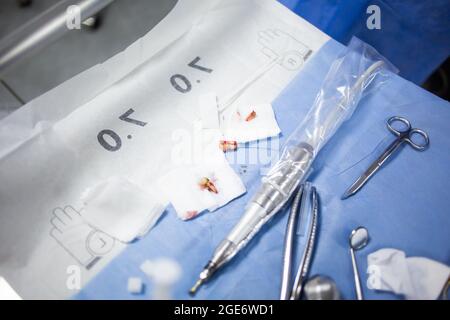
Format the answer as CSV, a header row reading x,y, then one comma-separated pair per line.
x,y
135,285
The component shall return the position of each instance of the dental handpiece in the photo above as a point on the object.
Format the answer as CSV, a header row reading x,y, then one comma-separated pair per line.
x,y
270,198
286,175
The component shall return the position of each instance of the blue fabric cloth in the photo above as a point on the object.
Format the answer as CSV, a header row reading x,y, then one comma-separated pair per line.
x,y
405,206
413,35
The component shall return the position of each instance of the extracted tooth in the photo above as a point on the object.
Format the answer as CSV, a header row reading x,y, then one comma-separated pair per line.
x,y
207,184
251,116
228,145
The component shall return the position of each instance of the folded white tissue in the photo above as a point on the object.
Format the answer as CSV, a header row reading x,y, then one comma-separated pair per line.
x,y
416,278
251,123
121,209
246,123
201,187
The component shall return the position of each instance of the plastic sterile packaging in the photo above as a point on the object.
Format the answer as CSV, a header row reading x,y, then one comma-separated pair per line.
x,y
357,72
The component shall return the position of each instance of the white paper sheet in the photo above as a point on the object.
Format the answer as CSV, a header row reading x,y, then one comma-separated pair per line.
x,y
208,109
120,119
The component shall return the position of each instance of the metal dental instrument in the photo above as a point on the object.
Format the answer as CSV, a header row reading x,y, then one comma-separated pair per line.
x,y
295,162
307,254
358,240
321,288
288,291
289,244
403,136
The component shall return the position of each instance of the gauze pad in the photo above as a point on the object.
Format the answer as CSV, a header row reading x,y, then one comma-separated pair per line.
x,y
121,209
203,179
416,278
190,193
250,123
247,123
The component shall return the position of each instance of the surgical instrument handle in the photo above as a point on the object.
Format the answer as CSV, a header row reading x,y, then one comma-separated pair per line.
x,y
289,244
359,294
307,254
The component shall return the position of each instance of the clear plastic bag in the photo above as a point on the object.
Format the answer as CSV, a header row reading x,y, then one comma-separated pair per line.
x,y
350,78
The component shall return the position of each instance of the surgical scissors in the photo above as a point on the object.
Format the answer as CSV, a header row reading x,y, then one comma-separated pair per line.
x,y
404,135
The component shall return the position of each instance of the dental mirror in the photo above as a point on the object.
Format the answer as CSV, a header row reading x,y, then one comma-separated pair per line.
x,y
358,240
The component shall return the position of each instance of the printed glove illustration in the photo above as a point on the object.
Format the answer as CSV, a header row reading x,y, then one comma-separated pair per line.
x,y
281,46
84,243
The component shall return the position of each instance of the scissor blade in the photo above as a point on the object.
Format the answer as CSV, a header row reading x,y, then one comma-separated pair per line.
x,y
356,186
362,180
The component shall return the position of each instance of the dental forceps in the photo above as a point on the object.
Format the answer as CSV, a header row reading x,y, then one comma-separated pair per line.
x,y
404,135
294,292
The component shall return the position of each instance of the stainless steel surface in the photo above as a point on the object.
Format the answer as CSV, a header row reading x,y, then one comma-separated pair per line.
x,y
321,288
305,262
122,23
43,30
8,101
403,136
286,288
358,240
